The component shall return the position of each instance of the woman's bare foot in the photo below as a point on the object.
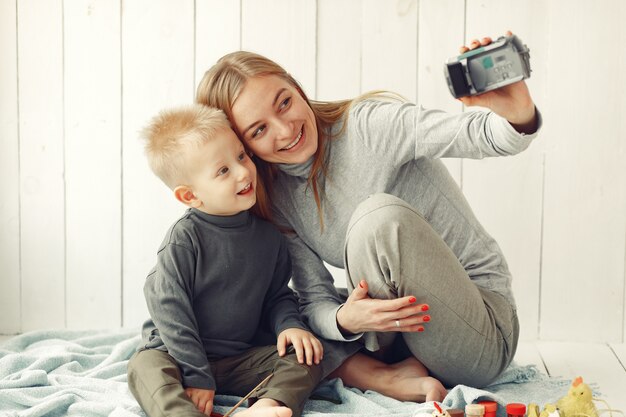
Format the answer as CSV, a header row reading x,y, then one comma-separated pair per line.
x,y
265,407
408,380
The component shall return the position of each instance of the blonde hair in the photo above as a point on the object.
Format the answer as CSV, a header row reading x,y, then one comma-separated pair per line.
x,y
222,84
173,133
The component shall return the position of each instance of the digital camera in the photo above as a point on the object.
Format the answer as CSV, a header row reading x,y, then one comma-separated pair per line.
x,y
502,62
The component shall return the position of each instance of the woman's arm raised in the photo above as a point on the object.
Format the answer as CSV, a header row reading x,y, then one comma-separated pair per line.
x,y
512,102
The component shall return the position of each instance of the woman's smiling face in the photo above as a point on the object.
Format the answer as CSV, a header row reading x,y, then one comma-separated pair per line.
x,y
274,121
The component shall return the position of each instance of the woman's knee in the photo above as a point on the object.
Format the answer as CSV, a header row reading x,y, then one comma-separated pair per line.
x,y
381,213
382,227
390,244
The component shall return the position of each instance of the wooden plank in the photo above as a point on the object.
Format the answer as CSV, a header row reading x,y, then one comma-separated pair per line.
x,y
42,191
218,26
338,63
157,73
622,93
619,349
93,163
506,193
284,31
338,49
528,354
9,173
440,34
595,362
585,180
389,51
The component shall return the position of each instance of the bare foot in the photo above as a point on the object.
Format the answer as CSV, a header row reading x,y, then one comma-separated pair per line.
x,y
409,381
265,407
265,412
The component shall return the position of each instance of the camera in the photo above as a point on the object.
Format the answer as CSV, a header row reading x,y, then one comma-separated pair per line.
x,y
502,62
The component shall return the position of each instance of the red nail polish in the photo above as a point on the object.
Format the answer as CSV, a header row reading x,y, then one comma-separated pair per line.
x,y
361,284
426,318
412,300
421,329
425,307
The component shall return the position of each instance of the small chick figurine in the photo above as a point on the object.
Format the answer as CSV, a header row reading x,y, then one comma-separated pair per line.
x,y
550,410
578,401
533,410
439,412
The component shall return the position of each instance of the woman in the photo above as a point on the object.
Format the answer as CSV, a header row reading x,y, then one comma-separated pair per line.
x,y
359,184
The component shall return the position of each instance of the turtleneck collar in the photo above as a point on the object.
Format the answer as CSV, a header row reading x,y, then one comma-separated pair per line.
x,y
234,221
297,170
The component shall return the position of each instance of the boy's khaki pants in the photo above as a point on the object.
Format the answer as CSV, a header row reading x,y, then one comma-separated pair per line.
x,y
155,380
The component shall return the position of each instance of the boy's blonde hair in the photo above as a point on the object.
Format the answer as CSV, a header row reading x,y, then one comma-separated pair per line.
x,y
173,133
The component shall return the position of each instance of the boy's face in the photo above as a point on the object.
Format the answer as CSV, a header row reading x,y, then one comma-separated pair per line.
x,y
222,176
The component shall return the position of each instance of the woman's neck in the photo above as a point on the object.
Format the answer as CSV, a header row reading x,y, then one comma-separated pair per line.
x,y
298,170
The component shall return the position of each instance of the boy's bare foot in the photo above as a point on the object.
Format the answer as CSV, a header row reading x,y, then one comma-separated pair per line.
x,y
266,407
265,412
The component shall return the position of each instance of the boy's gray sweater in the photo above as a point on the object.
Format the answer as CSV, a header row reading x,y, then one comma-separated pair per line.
x,y
219,288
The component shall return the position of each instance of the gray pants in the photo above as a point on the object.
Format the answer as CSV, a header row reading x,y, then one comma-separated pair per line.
x,y
473,334
155,380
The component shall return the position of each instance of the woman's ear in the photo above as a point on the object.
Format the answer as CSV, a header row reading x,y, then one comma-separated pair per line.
x,y
185,195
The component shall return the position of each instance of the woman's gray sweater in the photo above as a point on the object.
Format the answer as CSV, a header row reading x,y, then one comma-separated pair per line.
x,y
392,148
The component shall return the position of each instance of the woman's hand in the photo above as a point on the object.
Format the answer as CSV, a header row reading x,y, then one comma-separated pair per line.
x,y
306,345
513,102
202,399
360,313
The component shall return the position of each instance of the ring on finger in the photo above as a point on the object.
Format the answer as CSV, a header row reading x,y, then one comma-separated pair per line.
x,y
397,323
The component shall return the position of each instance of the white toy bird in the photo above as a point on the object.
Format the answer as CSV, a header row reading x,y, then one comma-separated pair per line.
x,y
439,412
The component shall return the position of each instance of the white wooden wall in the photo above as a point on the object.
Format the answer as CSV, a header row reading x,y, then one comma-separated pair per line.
x,y
81,215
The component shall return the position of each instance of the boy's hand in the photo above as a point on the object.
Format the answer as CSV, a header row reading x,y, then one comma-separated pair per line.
x,y
202,399
306,345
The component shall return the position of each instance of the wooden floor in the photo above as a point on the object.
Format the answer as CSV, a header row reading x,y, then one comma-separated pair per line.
x,y
602,364
598,363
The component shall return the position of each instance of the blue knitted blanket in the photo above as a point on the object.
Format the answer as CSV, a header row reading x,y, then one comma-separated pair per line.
x,y
83,373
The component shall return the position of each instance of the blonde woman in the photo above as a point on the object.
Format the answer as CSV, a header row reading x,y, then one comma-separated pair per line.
x,y
359,184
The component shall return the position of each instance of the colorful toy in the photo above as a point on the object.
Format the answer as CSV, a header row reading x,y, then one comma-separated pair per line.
x,y
439,412
550,410
533,410
578,402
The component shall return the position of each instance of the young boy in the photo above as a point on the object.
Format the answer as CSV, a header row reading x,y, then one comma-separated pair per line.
x,y
219,285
